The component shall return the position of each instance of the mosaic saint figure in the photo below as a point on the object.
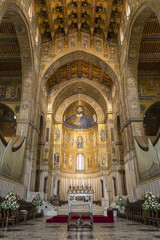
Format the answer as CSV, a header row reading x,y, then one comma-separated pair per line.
x,y
95,160
79,120
94,139
102,135
72,140
65,139
64,160
79,141
56,158
89,162
138,130
70,161
103,157
57,135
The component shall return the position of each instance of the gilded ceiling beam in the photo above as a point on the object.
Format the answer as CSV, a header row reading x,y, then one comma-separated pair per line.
x,y
65,21
50,13
108,17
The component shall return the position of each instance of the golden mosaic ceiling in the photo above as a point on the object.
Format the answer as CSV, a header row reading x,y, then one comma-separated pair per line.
x,y
59,18
79,69
80,87
149,55
10,59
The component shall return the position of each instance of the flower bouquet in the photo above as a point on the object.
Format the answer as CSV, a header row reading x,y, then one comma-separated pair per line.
x,y
10,202
121,202
151,203
37,201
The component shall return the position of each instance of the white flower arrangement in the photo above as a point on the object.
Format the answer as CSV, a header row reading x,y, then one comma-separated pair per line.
x,y
121,201
10,202
37,201
151,203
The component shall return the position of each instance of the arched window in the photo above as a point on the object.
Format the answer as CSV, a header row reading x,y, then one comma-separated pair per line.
x,y
80,162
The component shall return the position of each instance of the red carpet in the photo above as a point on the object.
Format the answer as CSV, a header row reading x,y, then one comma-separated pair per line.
x,y
96,218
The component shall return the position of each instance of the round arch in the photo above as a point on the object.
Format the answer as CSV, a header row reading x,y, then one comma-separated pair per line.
x,y
17,14
89,100
54,94
134,36
79,55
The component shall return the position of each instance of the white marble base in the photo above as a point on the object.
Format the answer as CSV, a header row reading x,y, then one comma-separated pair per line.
x,y
50,213
48,209
105,203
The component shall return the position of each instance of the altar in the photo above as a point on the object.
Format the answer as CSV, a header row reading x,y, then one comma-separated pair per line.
x,y
90,204
80,196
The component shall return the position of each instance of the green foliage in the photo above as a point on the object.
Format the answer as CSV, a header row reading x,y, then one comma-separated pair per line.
x,y
10,202
37,201
121,201
151,203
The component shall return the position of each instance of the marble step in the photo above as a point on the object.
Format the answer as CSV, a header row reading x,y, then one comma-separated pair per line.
x,y
97,210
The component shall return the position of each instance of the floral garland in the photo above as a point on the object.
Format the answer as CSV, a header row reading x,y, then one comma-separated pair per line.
x,y
37,201
151,203
121,201
10,202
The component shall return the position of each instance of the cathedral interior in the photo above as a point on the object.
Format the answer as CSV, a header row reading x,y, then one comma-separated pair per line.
x,y
80,97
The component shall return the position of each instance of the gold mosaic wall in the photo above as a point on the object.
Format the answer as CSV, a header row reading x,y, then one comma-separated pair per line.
x,y
80,141
70,140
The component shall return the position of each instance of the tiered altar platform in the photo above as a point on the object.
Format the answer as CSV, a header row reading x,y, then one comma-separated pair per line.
x,y
96,218
63,210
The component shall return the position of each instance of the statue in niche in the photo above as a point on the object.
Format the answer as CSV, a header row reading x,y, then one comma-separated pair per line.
x,y
70,161
64,160
79,141
103,157
89,162
56,158
79,120
102,135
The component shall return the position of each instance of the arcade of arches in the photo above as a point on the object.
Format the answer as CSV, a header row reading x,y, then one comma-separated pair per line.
x,y
80,97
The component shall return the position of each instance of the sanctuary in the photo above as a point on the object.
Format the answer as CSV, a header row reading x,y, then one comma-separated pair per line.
x,y
80,100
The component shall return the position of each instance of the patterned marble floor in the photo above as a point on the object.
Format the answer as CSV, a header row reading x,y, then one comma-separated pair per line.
x,y
121,229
